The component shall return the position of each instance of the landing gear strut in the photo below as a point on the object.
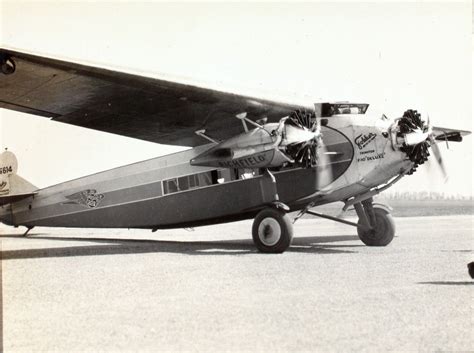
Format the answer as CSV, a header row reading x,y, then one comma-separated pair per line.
x,y
379,227
28,230
272,230
375,226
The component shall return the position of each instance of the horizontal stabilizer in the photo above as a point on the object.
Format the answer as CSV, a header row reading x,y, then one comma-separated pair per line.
x,y
4,200
445,134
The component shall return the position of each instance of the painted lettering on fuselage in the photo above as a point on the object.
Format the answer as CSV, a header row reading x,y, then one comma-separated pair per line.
x,y
374,157
247,162
6,169
364,139
367,152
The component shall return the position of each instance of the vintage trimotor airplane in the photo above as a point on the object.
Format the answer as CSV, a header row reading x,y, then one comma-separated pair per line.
x,y
250,157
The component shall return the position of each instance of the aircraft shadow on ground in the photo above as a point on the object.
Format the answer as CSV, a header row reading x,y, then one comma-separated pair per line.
x,y
449,283
106,246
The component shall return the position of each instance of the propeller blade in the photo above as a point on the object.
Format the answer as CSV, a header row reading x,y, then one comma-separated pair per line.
x,y
439,158
323,170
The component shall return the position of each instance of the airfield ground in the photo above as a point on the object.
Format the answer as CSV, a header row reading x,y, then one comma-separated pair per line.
x,y
209,290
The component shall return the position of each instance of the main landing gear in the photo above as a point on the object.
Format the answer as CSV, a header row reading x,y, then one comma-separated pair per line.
x,y
375,226
272,230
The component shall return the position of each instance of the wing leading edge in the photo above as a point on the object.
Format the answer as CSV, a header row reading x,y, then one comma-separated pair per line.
x,y
125,104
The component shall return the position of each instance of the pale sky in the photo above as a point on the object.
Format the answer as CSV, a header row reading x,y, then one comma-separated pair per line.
x,y
394,56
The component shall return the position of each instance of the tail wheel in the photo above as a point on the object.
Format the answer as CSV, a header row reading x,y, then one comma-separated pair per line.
x,y
272,231
7,65
383,230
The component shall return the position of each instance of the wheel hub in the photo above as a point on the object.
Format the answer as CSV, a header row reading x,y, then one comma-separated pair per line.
x,y
269,231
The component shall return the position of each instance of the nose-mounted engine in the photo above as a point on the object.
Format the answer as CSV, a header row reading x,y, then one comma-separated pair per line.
x,y
414,136
294,139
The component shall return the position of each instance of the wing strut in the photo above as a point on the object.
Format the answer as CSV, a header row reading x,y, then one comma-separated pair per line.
x,y
202,133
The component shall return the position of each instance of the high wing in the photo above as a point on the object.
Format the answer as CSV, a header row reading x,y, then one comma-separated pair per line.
x,y
120,103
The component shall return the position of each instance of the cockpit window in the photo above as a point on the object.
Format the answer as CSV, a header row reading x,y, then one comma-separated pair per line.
x,y
330,109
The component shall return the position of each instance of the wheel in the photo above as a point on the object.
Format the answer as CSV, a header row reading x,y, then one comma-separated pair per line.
x,y
7,66
470,267
272,231
383,232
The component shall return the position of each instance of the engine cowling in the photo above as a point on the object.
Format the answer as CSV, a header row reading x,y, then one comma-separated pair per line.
x,y
294,139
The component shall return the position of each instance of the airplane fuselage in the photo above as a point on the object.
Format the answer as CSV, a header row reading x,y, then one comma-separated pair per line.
x,y
168,191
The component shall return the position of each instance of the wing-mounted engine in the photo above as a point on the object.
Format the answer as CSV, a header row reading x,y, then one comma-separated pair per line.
x,y
294,139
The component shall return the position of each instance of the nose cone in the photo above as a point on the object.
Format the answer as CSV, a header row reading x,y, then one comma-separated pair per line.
x,y
296,135
415,137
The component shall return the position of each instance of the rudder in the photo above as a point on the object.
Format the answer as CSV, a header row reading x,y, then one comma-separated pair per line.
x,y
12,186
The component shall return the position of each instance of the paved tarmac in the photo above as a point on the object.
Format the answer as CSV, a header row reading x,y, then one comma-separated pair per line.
x,y
209,290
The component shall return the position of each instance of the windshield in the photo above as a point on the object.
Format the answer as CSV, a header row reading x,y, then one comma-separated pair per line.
x,y
330,109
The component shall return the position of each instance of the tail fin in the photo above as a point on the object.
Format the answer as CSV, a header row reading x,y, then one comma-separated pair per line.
x,y
12,186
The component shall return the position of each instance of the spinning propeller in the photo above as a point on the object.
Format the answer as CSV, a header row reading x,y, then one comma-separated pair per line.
x,y
417,138
312,152
305,153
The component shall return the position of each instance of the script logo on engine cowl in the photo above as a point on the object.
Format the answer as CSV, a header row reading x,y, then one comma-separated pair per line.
x,y
364,139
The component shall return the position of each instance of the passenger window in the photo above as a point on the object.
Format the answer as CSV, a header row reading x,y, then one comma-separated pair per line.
x,y
170,186
193,181
183,183
204,179
223,176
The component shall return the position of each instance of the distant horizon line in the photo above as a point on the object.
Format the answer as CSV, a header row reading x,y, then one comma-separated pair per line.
x,y
427,195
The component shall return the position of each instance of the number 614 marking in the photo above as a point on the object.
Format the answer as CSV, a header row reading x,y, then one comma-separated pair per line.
x,y
6,170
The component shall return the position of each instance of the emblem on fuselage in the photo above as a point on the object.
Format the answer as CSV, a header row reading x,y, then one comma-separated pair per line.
x,y
3,190
364,139
89,198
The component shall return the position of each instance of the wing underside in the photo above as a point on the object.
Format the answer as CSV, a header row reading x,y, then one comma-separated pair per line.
x,y
124,104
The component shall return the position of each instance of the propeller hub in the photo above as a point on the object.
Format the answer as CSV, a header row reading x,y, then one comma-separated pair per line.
x,y
302,138
413,136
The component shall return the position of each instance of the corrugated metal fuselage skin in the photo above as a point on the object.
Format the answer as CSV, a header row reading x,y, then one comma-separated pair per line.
x,y
135,196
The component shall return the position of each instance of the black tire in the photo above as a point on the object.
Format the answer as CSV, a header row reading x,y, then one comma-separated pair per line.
x,y
470,267
7,66
272,231
383,232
